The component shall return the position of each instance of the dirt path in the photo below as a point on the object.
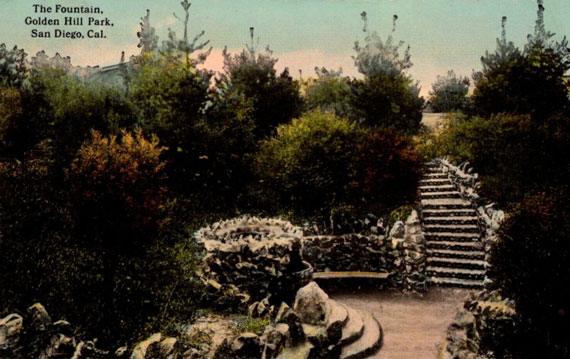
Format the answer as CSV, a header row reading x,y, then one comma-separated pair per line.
x,y
413,326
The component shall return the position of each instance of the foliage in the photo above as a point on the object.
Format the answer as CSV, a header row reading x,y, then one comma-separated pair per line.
x,y
171,99
329,92
531,82
387,101
12,66
400,214
148,40
247,324
514,155
387,168
321,163
529,265
449,93
380,58
275,98
180,50
118,187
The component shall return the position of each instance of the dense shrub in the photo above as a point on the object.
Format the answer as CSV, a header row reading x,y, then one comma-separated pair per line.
x,y
61,109
321,164
530,266
514,155
388,101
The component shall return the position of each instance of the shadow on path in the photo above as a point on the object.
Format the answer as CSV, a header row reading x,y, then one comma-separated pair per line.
x,y
413,326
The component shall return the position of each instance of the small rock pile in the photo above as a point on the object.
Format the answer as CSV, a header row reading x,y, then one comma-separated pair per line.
x,y
338,253
482,329
261,257
35,335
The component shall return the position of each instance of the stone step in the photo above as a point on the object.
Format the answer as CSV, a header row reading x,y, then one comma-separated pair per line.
x,y
456,263
437,195
436,175
368,344
460,212
440,272
435,181
452,236
353,329
451,228
445,203
456,246
449,253
451,219
456,282
438,188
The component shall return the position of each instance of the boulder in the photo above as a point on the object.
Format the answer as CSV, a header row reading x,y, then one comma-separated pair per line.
x,y
311,304
10,330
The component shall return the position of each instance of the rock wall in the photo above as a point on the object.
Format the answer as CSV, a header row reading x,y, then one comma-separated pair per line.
x,y
482,329
402,253
261,257
415,255
349,252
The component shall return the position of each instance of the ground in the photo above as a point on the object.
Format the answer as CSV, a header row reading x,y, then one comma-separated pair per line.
x,y
413,326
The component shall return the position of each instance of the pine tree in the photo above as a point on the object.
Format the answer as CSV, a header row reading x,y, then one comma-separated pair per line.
x,y
148,38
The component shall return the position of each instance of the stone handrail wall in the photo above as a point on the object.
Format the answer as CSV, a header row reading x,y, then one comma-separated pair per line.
x,y
467,183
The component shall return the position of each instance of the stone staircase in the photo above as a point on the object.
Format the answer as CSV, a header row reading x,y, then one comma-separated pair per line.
x,y
455,254
346,333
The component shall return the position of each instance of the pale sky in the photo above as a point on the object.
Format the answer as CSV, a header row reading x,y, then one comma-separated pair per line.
x,y
442,34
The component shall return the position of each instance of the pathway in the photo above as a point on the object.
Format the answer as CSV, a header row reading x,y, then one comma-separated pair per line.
x,y
413,326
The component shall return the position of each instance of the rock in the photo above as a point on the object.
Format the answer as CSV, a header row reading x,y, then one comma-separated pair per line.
x,y
246,346
39,317
286,315
398,231
274,338
140,350
121,352
10,330
311,304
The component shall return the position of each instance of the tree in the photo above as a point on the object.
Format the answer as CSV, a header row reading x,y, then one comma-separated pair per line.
x,y
380,58
528,82
387,101
12,66
171,99
329,92
449,93
148,40
275,98
180,50
387,96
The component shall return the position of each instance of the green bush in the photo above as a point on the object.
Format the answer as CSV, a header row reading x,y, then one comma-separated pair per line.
x,y
530,266
275,97
388,101
514,155
321,164
329,93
